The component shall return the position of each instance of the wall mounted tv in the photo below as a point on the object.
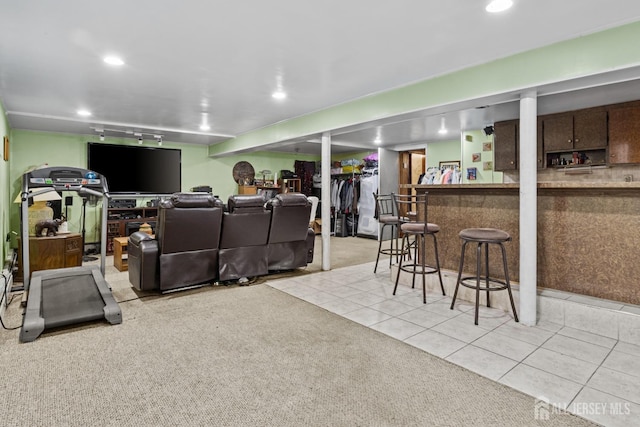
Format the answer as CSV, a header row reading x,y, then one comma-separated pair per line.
x,y
134,169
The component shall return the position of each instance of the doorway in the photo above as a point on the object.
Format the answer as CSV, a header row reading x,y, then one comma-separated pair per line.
x,y
412,167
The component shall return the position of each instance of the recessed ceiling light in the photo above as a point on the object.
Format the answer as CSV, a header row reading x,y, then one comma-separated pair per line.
x,y
498,6
84,113
113,60
205,127
279,94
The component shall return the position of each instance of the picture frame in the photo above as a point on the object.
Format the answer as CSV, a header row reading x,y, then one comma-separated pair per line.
x,y
476,157
451,164
487,166
6,148
472,174
486,146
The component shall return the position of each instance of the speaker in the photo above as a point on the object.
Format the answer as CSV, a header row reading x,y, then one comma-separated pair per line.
x,y
68,201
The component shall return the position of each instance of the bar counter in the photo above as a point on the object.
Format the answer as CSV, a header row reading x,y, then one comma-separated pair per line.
x,y
588,233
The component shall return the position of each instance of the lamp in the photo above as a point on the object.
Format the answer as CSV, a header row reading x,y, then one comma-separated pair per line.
x,y
42,197
39,210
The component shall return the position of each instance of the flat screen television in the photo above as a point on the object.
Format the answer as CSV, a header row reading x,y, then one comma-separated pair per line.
x,y
136,170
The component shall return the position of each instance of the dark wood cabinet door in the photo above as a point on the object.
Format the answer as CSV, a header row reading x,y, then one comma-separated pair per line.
x,y
505,145
540,162
558,133
624,135
589,129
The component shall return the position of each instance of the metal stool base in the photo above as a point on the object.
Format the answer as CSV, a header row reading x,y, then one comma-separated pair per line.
x,y
490,284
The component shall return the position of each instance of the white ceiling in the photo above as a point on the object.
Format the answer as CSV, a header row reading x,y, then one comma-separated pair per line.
x,y
190,59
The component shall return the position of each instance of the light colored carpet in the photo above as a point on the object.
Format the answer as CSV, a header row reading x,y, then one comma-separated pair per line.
x,y
346,251
241,356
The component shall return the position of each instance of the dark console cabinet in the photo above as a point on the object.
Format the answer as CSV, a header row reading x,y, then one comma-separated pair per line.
x,y
121,222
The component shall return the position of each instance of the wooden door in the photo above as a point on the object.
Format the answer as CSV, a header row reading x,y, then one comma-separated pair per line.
x,y
624,135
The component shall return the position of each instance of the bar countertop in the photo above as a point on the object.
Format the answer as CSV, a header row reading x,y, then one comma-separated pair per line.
x,y
599,187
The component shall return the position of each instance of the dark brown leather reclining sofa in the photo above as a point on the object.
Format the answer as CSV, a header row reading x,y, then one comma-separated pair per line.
x,y
197,242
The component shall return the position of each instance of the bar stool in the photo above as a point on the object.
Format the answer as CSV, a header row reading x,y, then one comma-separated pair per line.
x,y
413,208
484,237
387,217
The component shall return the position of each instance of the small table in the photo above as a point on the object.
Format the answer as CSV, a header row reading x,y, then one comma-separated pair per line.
x,y
120,249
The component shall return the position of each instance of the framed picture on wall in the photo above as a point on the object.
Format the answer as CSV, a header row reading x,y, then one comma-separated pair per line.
x,y
476,157
472,174
6,148
486,146
451,164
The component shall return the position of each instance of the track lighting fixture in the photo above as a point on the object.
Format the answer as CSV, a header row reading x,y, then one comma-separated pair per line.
x,y
139,135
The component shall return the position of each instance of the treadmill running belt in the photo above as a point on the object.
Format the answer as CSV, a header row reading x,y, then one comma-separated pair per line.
x,y
65,296
73,299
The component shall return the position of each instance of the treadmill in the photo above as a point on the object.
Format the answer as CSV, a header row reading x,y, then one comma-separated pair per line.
x,y
65,296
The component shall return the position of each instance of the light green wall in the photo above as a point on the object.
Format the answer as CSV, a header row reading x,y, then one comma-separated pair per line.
x,y
358,155
476,146
442,151
601,52
4,185
32,149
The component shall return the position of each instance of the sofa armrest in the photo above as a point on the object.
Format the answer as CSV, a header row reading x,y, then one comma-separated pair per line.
x,y
311,241
142,251
138,237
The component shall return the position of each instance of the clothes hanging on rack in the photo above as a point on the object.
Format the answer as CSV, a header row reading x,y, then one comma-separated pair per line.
x,y
345,193
435,175
367,223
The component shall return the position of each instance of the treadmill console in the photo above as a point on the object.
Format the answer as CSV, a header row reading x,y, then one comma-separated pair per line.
x,y
65,177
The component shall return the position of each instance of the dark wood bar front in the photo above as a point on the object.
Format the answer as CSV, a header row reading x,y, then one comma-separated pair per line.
x,y
588,233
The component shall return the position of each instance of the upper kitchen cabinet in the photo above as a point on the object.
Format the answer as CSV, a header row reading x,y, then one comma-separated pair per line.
x,y
505,145
624,135
575,138
506,137
578,130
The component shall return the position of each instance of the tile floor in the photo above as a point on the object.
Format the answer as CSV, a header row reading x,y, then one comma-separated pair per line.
x,y
594,376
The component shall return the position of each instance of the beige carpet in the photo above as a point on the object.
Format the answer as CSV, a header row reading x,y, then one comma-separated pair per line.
x,y
241,356
346,251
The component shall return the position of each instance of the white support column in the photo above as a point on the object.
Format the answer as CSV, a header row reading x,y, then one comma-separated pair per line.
x,y
325,209
528,207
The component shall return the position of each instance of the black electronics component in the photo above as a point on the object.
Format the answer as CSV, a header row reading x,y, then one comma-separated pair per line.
x,y
122,203
202,189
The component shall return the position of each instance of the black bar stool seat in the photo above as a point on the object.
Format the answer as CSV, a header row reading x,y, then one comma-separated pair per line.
x,y
484,237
